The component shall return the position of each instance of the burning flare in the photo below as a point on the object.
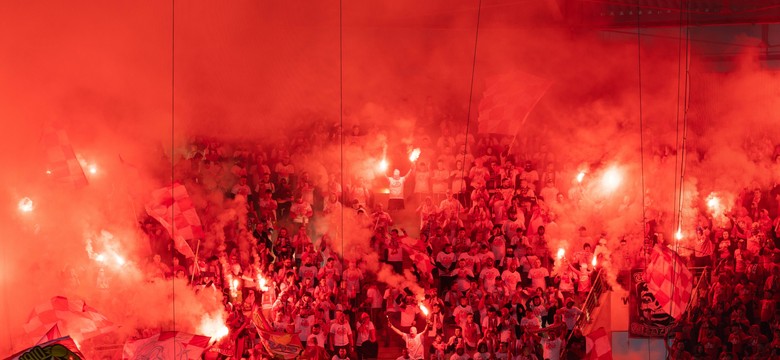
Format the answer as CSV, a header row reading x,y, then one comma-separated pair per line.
x,y
424,309
414,155
611,179
213,327
594,262
678,235
713,203
383,165
561,253
580,176
262,283
26,205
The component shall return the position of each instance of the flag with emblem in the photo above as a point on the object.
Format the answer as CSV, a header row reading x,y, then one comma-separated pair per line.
x,y
598,345
279,345
669,280
508,100
173,208
62,163
167,345
71,317
61,348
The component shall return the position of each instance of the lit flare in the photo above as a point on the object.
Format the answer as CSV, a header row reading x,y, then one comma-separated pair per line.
x,y
713,203
26,205
580,176
561,253
594,262
611,179
213,327
424,309
262,283
414,155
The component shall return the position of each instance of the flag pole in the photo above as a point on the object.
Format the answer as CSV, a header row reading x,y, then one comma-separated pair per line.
x,y
196,266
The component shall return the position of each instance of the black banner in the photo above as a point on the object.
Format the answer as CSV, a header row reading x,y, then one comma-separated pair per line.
x,y
646,319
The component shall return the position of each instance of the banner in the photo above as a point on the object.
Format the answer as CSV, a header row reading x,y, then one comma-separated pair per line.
x,y
167,345
72,317
58,349
173,208
669,280
279,345
646,316
598,345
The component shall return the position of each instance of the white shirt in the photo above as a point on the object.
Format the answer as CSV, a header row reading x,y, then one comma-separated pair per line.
x,y
364,332
396,187
303,326
415,346
552,348
341,333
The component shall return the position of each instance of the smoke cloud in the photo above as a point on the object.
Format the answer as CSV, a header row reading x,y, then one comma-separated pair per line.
x,y
269,72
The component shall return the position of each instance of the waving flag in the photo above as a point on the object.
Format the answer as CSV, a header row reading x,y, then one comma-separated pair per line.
x,y
280,345
669,280
508,100
53,333
173,208
63,165
71,317
167,345
62,348
598,345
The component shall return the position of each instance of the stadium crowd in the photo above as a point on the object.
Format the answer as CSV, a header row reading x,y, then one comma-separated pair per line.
x,y
479,213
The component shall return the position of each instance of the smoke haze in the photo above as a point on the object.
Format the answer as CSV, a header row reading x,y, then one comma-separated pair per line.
x,y
266,71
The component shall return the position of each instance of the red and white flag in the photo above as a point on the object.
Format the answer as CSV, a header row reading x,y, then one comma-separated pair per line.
x,y
70,317
53,333
598,345
167,345
508,100
62,164
669,280
173,208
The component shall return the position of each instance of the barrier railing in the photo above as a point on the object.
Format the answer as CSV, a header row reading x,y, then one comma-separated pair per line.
x,y
591,302
701,274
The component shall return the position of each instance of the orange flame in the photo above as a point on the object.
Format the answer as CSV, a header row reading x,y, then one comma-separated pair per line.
x,y
414,155
713,203
611,179
26,205
383,165
262,283
424,309
213,327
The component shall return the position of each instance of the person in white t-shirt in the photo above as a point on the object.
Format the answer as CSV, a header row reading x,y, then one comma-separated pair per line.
x,y
303,323
538,275
340,333
396,187
552,345
414,341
